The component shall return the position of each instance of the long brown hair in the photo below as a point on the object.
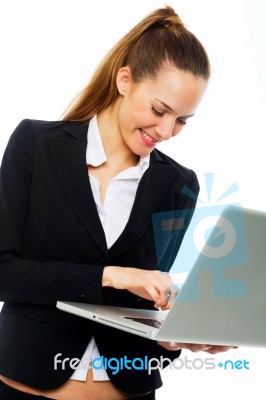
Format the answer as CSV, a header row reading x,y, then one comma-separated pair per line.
x,y
161,36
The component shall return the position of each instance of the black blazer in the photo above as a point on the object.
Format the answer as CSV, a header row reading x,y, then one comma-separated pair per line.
x,y
52,247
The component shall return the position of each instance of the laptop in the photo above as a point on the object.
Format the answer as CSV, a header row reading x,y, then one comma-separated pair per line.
x,y
223,299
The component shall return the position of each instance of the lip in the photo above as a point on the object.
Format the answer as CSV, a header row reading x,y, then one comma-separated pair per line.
x,y
147,139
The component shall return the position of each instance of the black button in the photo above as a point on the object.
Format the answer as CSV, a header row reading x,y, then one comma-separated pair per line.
x,y
83,298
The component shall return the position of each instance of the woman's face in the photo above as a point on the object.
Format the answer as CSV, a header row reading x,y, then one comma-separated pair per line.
x,y
152,111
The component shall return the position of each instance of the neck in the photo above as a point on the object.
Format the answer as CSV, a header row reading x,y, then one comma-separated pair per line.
x,y
114,146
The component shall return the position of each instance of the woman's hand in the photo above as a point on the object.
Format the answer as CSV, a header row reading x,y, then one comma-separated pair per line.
x,y
151,285
211,349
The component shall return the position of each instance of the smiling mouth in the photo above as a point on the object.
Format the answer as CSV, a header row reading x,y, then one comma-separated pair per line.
x,y
148,137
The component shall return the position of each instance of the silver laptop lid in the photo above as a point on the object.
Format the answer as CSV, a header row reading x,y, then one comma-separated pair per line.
x,y
223,300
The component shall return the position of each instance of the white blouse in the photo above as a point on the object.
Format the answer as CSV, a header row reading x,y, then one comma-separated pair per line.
x,y
114,214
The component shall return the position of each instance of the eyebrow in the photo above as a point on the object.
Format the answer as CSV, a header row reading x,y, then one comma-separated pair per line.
x,y
170,109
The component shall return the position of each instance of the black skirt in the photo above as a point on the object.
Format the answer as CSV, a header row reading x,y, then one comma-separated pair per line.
x,y
9,393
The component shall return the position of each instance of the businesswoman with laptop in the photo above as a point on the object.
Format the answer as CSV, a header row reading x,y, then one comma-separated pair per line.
x,y
76,203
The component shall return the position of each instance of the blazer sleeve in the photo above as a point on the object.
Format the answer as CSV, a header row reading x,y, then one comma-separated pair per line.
x,y
29,281
187,194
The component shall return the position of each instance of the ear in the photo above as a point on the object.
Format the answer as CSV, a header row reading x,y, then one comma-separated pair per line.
x,y
123,80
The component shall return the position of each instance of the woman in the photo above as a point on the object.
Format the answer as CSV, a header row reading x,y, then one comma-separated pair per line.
x,y
76,201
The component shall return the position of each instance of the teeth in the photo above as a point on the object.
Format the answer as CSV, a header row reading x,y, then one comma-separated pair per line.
x,y
148,137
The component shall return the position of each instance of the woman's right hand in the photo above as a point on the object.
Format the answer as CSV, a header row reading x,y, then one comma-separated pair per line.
x,y
151,285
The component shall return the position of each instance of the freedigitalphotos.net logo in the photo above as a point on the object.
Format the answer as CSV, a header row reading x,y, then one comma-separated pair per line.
x,y
115,365
212,235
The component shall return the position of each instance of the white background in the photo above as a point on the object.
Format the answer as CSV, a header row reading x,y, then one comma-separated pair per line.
x,y
48,51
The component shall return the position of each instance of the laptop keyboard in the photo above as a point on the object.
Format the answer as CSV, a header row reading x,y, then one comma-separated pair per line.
x,y
155,323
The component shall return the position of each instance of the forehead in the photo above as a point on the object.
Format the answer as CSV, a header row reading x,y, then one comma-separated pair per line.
x,y
181,90
173,79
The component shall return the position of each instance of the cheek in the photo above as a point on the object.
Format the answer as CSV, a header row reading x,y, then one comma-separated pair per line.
x,y
177,130
133,118
134,113
143,117
124,115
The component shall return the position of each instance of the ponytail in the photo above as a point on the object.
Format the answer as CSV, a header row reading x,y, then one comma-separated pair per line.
x,y
160,37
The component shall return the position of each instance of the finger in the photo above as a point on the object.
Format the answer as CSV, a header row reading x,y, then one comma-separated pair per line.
x,y
173,346
155,296
195,347
163,294
170,345
165,289
220,349
199,347
171,294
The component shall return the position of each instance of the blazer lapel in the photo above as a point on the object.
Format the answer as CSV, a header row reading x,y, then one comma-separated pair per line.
x,y
68,152
152,188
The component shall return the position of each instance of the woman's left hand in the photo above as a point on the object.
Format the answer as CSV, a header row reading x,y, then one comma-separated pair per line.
x,y
212,349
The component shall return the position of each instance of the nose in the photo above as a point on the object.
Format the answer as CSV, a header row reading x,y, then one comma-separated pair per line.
x,y
165,128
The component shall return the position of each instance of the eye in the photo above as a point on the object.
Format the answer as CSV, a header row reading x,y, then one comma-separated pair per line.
x,y
181,121
156,112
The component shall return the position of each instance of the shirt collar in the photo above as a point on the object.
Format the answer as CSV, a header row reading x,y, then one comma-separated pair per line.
x,y
95,154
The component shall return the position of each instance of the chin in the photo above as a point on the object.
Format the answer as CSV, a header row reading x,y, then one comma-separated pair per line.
x,y
142,152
